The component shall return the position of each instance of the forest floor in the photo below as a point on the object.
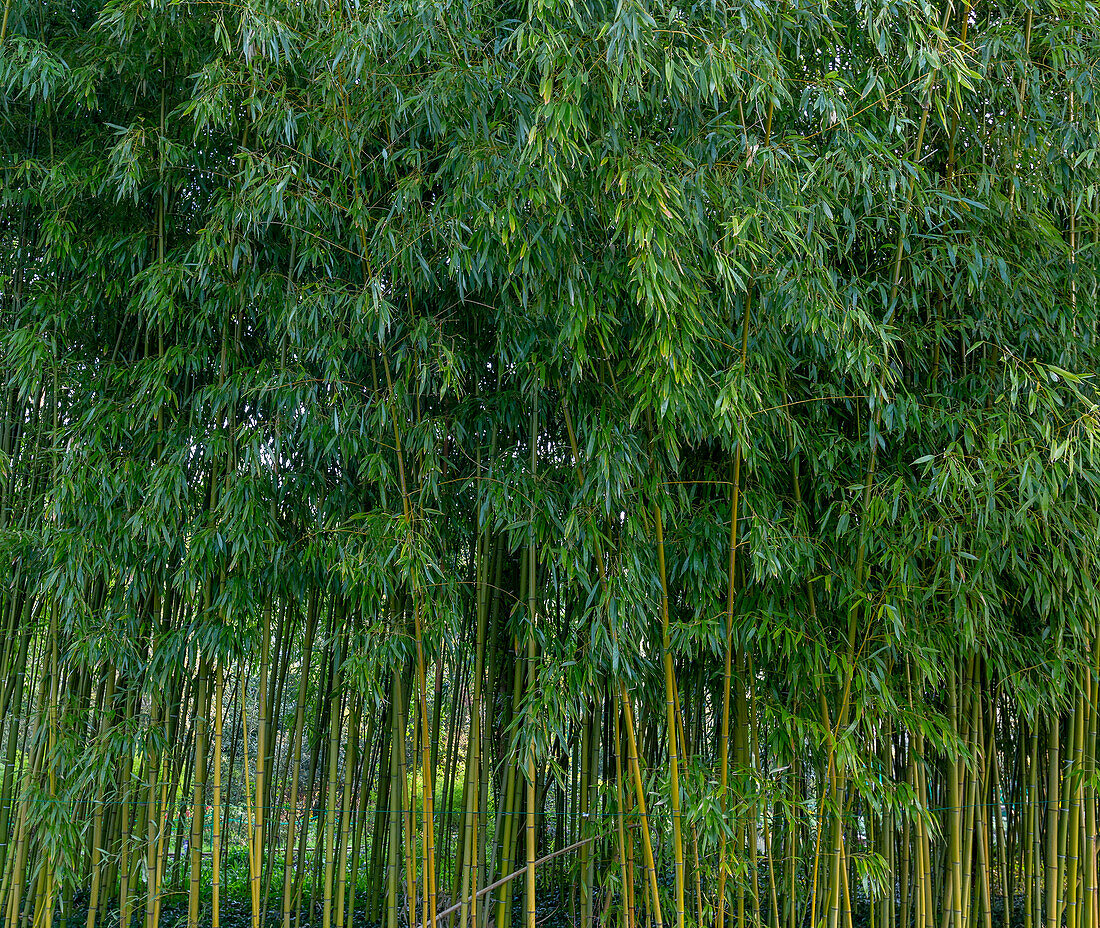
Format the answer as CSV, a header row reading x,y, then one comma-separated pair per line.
x,y
555,909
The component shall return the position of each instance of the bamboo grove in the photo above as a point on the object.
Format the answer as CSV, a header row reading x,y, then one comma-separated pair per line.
x,y
488,462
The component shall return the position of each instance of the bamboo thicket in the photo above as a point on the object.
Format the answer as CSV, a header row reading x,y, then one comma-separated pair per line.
x,y
620,462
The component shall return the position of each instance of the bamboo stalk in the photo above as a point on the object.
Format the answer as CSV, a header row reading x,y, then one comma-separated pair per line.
x,y
670,721
532,609
215,823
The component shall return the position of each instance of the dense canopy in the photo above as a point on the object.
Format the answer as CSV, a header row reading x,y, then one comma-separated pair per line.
x,y
645,450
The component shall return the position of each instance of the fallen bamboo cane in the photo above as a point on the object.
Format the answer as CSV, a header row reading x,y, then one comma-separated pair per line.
x,y
514,874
